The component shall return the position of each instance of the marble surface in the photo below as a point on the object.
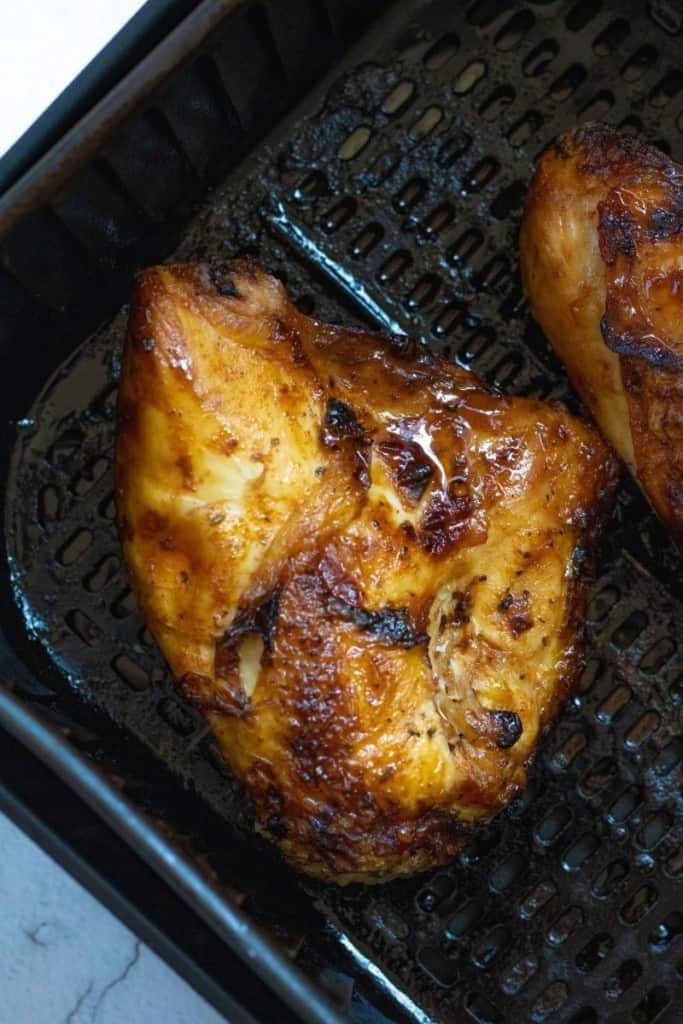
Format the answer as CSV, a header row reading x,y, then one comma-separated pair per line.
x,y
64,959
43,46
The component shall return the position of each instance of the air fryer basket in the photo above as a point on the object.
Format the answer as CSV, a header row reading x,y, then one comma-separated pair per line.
x,y
392,197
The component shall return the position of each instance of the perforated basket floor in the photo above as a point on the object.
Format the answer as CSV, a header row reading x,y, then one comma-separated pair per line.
x,y
394,197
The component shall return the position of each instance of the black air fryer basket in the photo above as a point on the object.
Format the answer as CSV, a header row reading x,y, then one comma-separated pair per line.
x,y
390,196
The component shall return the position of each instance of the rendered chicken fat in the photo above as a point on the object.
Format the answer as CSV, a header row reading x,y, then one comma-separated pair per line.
x,y
363,565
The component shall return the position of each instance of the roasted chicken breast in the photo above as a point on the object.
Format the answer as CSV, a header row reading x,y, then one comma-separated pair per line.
x,y
602,265
364,566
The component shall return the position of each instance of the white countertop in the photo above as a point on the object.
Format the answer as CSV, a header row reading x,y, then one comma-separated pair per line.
x,y
64,959
44,45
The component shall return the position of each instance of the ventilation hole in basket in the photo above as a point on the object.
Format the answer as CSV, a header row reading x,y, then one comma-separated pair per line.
x,y
609,878
400,98
508,370
624,806
525,128
540,58
630,629
493,275
632,125
464,248
510,201
310,188
107,507
48,505
355,143
674,864
514,30
639,904
463,919
338,215
130,672
84,628
497,103
106,570
469,77
581,850
601,604
564,926
626,975
669,757
65,447
439,219
506,873
581,13
567,83
514,978
667,15
366,241
664,145
179,718
521,804
305,304
489,947
446,321
667,89
550,1002
668,931
654,830
514,304
483,12
567,753
611,38
613,704
443,969
598,107
482,1009
427,122
596,671
394,267
650,1007
424,293
442,51
642,730
636,66
658,655
553,825
383,167
411,194
475,346
454,147
75,547
86,480
537,899
124,604
433,894
146,638
594,952
600,775
480,175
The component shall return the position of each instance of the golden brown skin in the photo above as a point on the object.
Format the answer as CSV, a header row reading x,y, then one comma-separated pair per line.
x,y
362,564
602,264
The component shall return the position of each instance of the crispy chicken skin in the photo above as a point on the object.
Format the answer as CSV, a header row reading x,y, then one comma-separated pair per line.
x,y
363,565
602,265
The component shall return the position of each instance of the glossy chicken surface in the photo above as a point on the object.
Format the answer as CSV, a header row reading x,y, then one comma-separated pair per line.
x,y
363,565
602,263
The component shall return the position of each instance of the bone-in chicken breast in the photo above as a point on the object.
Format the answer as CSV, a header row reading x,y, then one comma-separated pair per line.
x,y
602,264
363,565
